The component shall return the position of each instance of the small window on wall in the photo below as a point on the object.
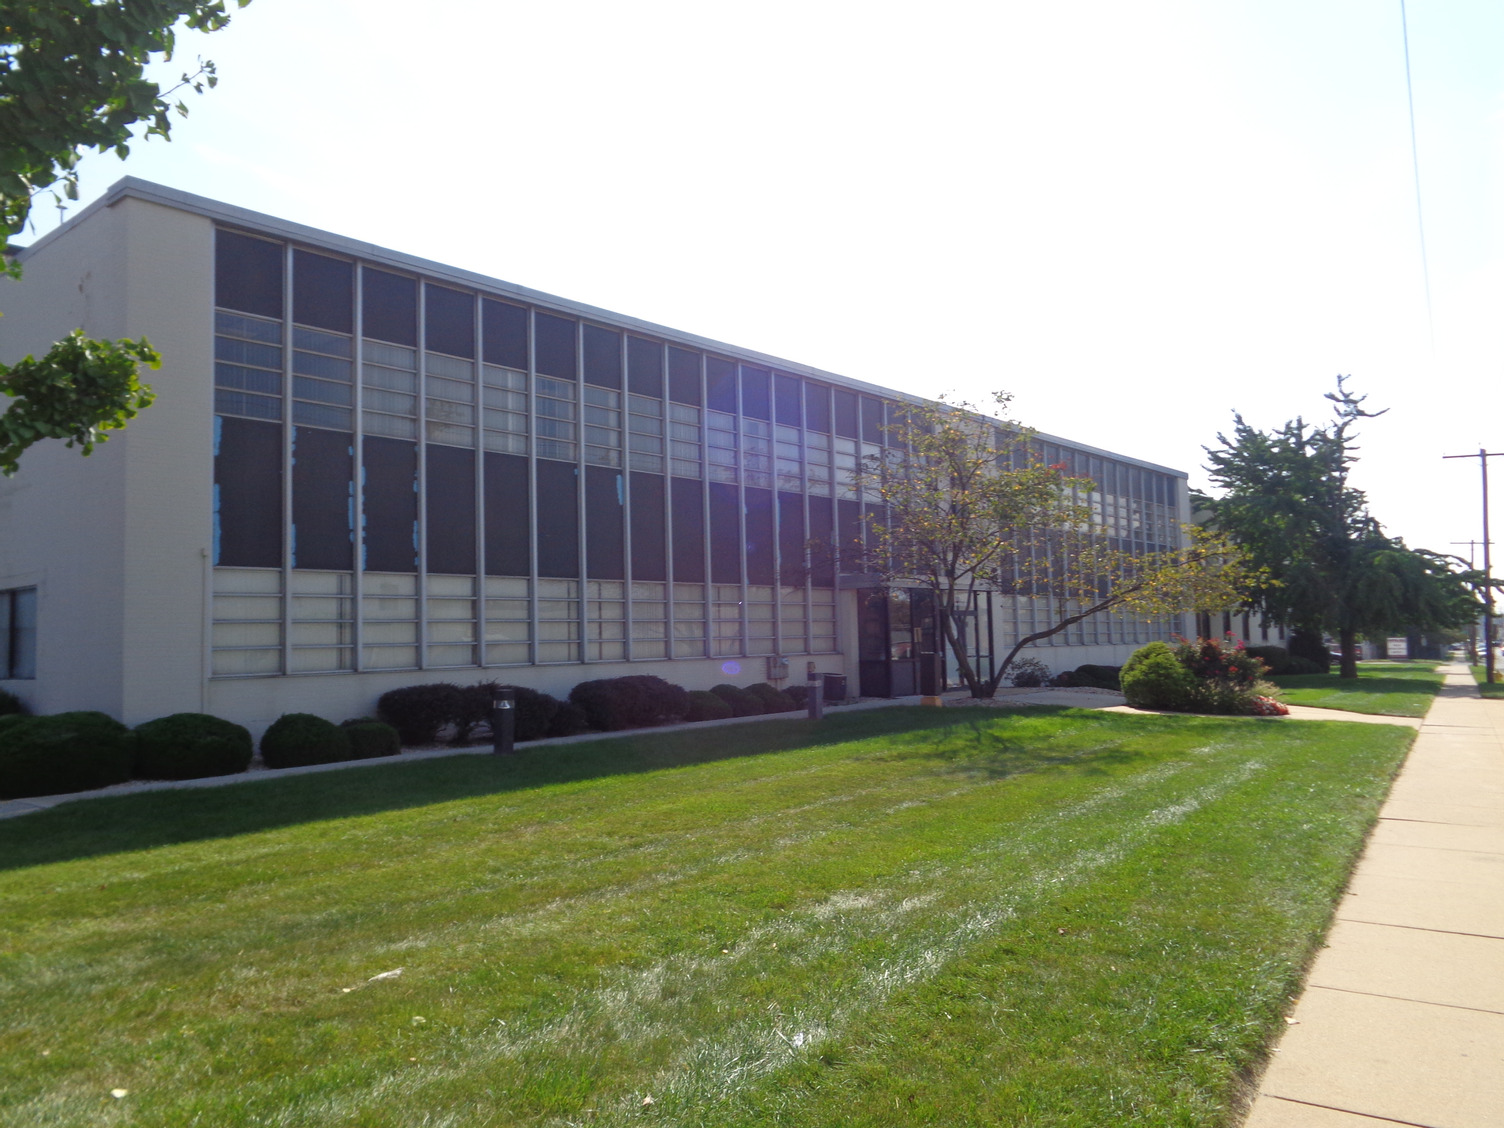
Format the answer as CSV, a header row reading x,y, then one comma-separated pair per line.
x,y
18,633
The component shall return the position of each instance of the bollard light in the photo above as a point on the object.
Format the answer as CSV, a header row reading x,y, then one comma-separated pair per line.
x,y
503,721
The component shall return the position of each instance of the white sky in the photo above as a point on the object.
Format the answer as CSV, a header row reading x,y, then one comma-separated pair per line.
x,y
1135,217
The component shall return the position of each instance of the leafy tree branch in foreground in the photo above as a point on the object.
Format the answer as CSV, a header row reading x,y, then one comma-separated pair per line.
x,y
972,507
72,78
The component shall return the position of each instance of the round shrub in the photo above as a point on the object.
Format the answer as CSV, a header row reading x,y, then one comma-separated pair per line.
x,y
1153,678
12,706
743,704
191,746
772,700
706,706
569,720
633,701
798,695
370,738
536,712
63,753
1029,673
296,739
1275,658
418,712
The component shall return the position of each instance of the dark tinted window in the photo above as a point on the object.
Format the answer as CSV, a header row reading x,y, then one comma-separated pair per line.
x,y
817,408
507,523
756,393
391,504
554,345
322,465
786,399
644,367
649,543
725,534
688,501
791,563
504,334
822,571
558,520
323,292
247,274
449,321
247,493
602,357
845,413
683,376
605,542
720,384
872,420
450,486
389,307
759,536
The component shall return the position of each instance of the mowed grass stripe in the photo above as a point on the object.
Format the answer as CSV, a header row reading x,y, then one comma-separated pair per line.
x,y
563,944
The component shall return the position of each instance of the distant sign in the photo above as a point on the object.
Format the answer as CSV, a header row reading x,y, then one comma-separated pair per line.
x,y
1397,647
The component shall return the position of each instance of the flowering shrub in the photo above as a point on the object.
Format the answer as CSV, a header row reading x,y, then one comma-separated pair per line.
x,y
1029,673
1214,676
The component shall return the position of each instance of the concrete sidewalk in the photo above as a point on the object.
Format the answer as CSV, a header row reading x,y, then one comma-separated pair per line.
x,y
1402,1017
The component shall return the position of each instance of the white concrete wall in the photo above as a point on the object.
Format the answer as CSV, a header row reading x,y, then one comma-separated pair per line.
x,y
62,517
112,541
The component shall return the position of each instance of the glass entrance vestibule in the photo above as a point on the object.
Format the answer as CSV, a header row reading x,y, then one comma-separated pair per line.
x,y
901,652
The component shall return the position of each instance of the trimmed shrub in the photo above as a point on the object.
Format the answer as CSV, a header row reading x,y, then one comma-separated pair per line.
x,y
535,713
1310,646
12,706
296,739
569,720
1029,673
798,694
1221,665
772,700
1275,658
743,704
1153,678
418,712
1099,677
1296,666
633,701
191,746
62,753
706,706
370,738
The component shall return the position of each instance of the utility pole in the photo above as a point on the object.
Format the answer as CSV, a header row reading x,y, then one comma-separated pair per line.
x,y
1488,589
1472,630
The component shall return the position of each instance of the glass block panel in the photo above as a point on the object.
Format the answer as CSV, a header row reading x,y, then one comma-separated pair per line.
x,y
248,581
558,589
689,649
374,377
603,456
335,344
451,632
558,652
322,391
388,657
558,389
606,651
508,609
247,634
507,444
496,377
251,328
319,415
508,654
396,403
375,632
644,609
324,367
606,629
393,356
321,634
390,608
450,586
649,628
449,434
437,364
507,586
243,403
558,609
649,648
391,425
508,632
233,663
684,628
451,655
449,389
320,609
245,379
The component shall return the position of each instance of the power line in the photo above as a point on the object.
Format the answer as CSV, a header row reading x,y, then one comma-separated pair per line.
x,y
1420,223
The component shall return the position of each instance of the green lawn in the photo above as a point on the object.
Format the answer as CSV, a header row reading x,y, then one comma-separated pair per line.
x,y
1044,917
1495,690
1394,689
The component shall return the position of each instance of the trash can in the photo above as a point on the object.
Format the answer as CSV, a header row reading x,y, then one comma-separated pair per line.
x,y
835,687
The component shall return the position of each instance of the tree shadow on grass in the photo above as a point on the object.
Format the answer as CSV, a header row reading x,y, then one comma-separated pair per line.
x,y
1363,685
112,824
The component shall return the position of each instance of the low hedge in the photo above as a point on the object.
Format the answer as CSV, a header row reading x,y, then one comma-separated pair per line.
x,y
418,712
742,702
633,701
298,739
370,738
62,753
191,746
773,700
706,706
